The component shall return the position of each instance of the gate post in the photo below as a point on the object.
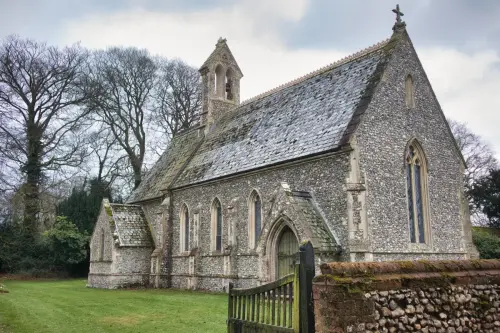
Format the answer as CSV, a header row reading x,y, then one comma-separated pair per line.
x,y
306,254
230,314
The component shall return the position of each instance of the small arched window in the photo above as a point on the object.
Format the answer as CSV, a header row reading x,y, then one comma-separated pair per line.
x,y
101,249
418,202
216,225
219,81
409,92
254,218
184,229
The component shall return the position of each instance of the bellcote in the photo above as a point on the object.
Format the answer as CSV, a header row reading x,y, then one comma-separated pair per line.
x,y
221,77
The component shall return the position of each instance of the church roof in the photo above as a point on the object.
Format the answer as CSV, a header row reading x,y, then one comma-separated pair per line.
x,y
163,173
131,227
308,116
311,115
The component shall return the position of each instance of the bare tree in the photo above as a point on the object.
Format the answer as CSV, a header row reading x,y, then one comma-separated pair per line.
x,y
124,78
110,158
477,153
41,89
177,96
108,164
478,156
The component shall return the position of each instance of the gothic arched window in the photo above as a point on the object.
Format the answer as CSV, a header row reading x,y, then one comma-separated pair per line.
x,y
220,81
409,92
184,229
416,180
216,225
254,218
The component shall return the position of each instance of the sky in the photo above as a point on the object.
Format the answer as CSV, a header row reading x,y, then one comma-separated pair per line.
x,y
275,41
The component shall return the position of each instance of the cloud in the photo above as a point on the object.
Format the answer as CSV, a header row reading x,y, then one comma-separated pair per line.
x,y
250,27
466,83
468,88
292,10
463,24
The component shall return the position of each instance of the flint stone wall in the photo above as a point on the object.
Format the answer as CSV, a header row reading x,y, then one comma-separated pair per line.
x,y
244,262
129,268
405,296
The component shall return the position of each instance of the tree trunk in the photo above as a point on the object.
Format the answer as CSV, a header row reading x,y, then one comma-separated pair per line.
x,y
33,178
137,173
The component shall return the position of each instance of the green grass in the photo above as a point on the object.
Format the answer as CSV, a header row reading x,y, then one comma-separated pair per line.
x,y
67,306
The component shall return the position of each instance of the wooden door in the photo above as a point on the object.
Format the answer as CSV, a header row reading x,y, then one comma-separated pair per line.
x,y
288,249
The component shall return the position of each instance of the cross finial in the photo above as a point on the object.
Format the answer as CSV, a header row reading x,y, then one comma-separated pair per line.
x,y
398,14
221,40
399,23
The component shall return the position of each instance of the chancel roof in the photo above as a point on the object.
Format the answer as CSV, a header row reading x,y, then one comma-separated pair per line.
x,y
131,226
311,115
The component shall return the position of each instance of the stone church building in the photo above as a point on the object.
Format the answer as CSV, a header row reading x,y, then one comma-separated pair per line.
x,y
356,157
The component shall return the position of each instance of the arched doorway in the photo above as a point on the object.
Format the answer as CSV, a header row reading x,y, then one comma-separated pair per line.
x,y
288,247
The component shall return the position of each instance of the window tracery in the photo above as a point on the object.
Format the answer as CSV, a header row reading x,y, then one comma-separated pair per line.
x,y
416,180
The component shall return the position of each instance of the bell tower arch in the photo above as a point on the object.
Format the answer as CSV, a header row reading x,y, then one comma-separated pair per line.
x,y
221,77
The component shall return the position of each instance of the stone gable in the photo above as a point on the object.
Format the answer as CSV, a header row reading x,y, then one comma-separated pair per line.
x,y
382,164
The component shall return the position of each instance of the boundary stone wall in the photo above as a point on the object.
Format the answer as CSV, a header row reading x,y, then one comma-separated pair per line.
x,y
408,296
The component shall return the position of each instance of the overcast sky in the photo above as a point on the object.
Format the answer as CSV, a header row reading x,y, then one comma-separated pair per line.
x,y
275,41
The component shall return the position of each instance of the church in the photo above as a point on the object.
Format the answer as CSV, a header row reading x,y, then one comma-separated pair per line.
x,y
356,157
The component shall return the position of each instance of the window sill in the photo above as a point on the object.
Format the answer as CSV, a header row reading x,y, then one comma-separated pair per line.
x,y
420,247
215,254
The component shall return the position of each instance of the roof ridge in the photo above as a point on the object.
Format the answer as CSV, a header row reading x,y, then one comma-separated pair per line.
x,y
323,69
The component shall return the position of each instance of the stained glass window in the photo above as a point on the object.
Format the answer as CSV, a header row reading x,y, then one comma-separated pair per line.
x,y
410,203
415,179
418,202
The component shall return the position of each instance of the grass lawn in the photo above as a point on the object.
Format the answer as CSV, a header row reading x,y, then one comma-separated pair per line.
x,y
67,306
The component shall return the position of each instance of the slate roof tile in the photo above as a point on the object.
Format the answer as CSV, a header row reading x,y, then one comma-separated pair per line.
x,y
313,114
310,115
311,218
167,167
131,226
